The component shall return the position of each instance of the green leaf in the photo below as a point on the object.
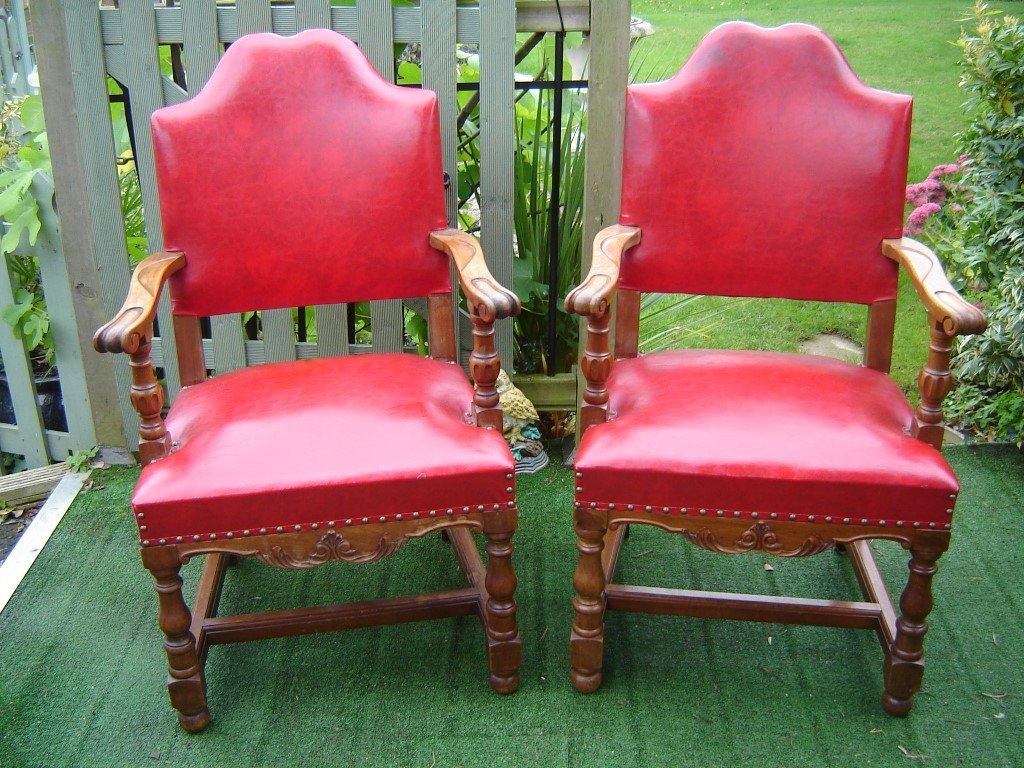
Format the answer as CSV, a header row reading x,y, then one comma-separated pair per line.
x,y
13,313
409,74
31,114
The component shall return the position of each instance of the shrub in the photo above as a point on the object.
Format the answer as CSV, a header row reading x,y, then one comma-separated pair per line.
x,y
983,244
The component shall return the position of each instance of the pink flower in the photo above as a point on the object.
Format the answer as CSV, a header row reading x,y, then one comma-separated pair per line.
x,y
944,170
918,217
928,191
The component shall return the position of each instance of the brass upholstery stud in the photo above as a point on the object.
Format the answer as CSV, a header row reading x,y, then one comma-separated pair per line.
x,y
497,506
263,531
246,532
754,515
280,529
162,542
140,515
579,489
230,535
810,518
611,506
846,521
397,518
144,543
213,536
143,528
298,527
348,522
195,537
593,505
179,539
629,507
383,519
315,526
774,515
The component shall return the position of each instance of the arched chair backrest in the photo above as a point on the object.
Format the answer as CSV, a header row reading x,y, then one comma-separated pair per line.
x,y
299,176
764,168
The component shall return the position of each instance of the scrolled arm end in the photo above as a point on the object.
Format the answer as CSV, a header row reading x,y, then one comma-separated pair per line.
x,y
126,332
947,308
594,295
487,298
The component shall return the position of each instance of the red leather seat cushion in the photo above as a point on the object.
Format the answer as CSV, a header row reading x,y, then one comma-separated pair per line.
x,y
353,438
762,434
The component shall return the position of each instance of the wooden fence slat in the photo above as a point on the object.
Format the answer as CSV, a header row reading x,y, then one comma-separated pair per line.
x,y
145,93
312,14
18,369
254,16
376,39
278,333
69,47
53,271
440,75
497,149
202,52
331,319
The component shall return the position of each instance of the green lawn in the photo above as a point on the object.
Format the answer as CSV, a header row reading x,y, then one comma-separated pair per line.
x,y
904,46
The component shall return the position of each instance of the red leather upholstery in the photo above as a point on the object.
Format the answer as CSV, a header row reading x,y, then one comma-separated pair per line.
x,y
298,176
321,441
764,168
759,434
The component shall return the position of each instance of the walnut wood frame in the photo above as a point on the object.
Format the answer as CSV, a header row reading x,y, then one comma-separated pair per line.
x,y
601,531
189,633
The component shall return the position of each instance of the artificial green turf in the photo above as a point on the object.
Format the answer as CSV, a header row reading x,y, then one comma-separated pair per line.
x,y
81,668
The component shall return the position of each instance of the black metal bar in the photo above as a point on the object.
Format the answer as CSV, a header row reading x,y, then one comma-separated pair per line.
x,y
530,85
556,200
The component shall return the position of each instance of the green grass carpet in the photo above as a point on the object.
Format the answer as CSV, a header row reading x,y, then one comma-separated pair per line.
x,y
81,667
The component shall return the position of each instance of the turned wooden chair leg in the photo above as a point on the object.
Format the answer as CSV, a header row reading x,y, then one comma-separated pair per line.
x,y
185,681
504,648
904,668
586,644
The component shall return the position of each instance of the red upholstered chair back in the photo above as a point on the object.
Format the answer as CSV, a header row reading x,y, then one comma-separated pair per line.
x,y
299,176
764,168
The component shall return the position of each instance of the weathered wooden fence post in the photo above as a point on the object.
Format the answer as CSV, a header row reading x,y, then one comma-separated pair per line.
x,y
606,102
69,53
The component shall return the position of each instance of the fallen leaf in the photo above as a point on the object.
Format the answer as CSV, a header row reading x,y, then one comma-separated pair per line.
x,y
645,552
995,640
996,696
876,730
770,639
911,755
1000,715
768,567
771,672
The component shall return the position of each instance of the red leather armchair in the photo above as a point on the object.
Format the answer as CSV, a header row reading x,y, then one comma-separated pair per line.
x,y
320,184
764,168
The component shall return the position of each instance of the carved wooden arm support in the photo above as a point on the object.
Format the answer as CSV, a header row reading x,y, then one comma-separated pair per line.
x,y
950,316
594,295
488,301
593,298
947,308
131,324
131,332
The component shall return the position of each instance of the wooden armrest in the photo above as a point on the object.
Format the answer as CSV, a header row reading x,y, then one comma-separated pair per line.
x,y
946,307
488,302
130,333
487,299
594,295
950,316
131,325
